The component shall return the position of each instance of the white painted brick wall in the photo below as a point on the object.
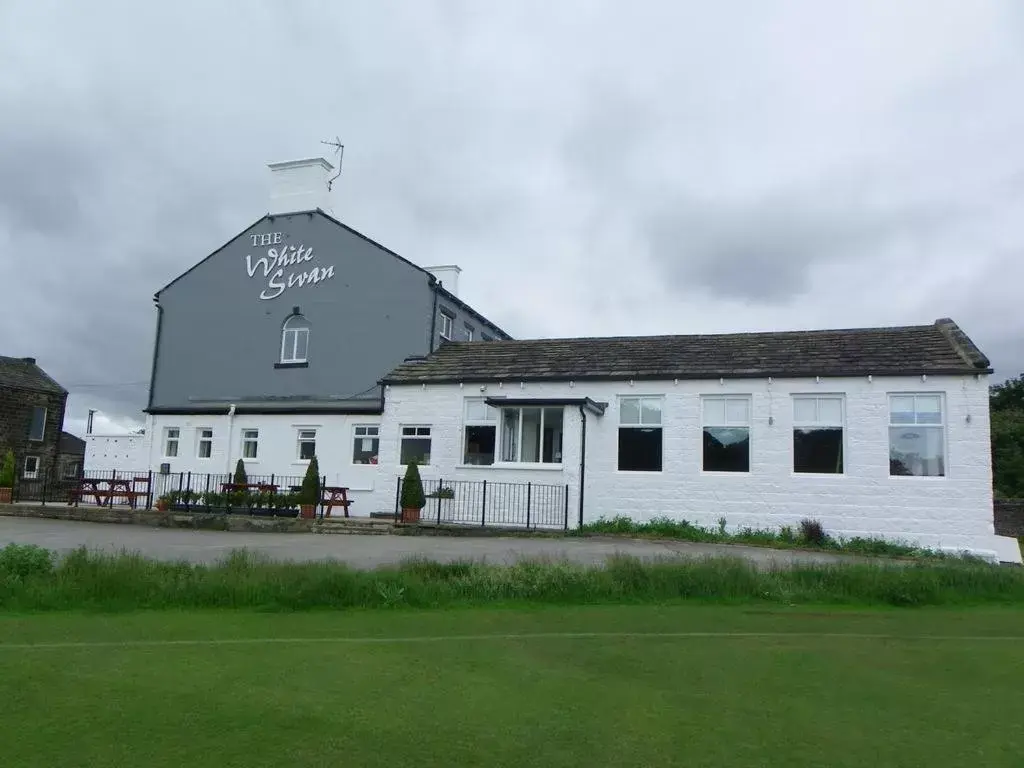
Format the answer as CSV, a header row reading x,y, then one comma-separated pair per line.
x,y
278,448
951,511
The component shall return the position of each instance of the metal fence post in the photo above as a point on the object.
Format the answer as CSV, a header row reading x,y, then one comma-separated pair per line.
x,y
483,506
529,489
398,497
566,500
149,489
188,493
440,485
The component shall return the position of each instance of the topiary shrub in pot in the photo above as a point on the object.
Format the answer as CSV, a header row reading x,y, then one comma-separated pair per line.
x,y
412,499
7,478
309,493
240,477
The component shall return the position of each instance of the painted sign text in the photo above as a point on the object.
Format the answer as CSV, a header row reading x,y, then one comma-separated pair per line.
x,y
284,267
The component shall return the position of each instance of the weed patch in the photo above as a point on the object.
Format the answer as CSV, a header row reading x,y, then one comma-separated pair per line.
x,y
32,579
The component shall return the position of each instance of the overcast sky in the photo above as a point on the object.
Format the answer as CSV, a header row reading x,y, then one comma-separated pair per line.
x,y
595,168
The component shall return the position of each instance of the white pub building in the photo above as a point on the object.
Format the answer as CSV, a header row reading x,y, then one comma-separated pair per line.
x,y
301,336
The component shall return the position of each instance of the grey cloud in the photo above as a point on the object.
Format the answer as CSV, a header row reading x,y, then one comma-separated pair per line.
x,y
547,150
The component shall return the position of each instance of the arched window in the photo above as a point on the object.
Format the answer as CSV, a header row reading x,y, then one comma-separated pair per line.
x,y
295,340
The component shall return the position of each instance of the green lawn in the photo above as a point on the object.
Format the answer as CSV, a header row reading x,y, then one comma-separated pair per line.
x,y
931,690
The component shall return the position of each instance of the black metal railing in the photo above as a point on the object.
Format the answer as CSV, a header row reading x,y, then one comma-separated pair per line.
x,y
51,488
486,502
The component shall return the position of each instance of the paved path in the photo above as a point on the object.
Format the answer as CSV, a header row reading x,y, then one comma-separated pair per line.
x,y
365,551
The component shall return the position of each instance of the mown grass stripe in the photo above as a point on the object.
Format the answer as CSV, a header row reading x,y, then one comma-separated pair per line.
x,y
510,637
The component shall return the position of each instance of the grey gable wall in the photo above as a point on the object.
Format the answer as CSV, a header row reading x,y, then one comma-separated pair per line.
x,y
218,342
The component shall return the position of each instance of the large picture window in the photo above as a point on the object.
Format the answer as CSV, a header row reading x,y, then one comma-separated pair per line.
x,y
415,445
916,435
726,422
640,438
818,434
480,427
531,435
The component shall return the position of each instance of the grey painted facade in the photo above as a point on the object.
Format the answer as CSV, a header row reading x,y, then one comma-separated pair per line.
x,y
219,328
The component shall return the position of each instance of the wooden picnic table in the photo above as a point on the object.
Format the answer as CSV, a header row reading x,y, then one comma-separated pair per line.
x,y
331,496
104,496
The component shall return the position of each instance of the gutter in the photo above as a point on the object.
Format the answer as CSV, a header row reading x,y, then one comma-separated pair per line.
x,y
583,458
156,348
231,422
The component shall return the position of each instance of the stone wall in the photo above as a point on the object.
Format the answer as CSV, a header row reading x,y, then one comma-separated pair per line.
x,y
15,419
1009,517
126,515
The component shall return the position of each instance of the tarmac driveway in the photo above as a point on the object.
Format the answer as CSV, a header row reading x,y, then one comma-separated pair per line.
x,y
368,551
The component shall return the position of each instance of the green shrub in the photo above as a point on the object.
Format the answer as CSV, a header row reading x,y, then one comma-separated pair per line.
x,y
7,470
22,561
310,492
812,532
412,488
240,476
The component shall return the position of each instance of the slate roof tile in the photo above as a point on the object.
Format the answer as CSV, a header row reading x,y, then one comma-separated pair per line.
x,y
939,348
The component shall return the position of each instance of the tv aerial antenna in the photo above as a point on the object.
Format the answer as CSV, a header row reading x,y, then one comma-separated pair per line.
x,y
339,150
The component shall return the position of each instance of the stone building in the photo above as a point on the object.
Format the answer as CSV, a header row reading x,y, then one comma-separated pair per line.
x,y
32,408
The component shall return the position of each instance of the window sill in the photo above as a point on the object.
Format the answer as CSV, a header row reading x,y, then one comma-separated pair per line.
x,y
291,365
910,478
819,475
640,472
724,473
524,466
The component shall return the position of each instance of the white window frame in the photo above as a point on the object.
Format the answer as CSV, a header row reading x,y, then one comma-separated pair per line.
x,y
747,424
200,439
940,425
168,440
492,420
291,355
42,424
299,440
817,423
447,326
418,434
250,436
499,452
470,332
34,473
71,470
365,432
641,424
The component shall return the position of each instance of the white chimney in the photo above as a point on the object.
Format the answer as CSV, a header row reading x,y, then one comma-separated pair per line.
x,y
300,185
448,274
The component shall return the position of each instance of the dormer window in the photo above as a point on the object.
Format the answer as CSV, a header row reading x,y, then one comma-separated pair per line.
x,y
295,340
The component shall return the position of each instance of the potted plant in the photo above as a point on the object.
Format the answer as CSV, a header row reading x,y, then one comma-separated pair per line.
x,y
309,494
240,477
412,499
163,503
7,478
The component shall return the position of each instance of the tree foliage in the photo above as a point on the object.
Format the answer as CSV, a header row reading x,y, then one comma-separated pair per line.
x,y
1006,402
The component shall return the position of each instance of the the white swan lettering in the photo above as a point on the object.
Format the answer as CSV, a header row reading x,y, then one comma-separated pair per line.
x,y
273,266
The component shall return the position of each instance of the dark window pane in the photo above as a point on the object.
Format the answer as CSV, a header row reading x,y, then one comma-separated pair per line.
x,y
726,449
38,426
479,445
818,451
364,450
916,450
639,449
417,449
307,449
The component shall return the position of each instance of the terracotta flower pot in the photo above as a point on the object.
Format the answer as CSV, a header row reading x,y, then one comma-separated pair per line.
x,y
410,515
5,495
307,510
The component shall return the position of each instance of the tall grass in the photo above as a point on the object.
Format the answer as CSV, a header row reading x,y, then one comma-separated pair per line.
x,y
33,580
810,535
